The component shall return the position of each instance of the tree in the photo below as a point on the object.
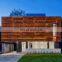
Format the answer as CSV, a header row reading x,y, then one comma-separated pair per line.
x,y
17,12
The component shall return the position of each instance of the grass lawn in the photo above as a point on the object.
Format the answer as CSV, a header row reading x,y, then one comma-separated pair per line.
x,y
41,58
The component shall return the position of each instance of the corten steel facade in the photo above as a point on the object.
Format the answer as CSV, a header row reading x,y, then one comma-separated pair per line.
x,y
31,29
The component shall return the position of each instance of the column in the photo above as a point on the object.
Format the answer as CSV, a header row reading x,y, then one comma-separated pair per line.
x,y
54,32
23,46
51,45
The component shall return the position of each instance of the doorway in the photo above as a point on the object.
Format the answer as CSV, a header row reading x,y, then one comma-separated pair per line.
x,y
30,45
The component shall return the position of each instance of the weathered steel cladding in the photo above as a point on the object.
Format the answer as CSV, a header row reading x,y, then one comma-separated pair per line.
x,y
29,22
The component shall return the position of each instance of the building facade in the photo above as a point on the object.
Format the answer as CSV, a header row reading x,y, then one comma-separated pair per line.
x,y
23,33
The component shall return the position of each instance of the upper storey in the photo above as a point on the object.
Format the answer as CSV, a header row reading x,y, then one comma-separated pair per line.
x,y
31,21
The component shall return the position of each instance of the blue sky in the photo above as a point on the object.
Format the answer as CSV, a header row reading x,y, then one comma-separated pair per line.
x,y
49,7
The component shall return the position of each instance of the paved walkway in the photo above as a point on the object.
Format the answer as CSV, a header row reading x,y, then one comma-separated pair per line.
x,y
10,57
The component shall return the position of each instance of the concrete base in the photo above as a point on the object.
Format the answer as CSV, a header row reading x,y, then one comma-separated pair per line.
x,y
23,46
37,45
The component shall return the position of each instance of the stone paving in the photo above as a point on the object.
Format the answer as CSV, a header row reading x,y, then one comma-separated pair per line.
x,y
10,57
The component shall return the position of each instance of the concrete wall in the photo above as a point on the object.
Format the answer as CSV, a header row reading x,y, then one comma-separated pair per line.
x,y
41,45
35,45
51,45
38,45
23,46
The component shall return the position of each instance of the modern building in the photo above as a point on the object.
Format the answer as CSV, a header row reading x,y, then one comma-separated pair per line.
x,y
31,32
0,41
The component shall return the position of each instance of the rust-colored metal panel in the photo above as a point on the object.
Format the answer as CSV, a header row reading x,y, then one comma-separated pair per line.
x,y
13,28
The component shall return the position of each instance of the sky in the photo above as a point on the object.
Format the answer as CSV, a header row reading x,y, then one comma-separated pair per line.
x,y
49,7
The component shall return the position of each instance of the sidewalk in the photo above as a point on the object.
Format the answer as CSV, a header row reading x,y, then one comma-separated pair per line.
x,y
10,57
